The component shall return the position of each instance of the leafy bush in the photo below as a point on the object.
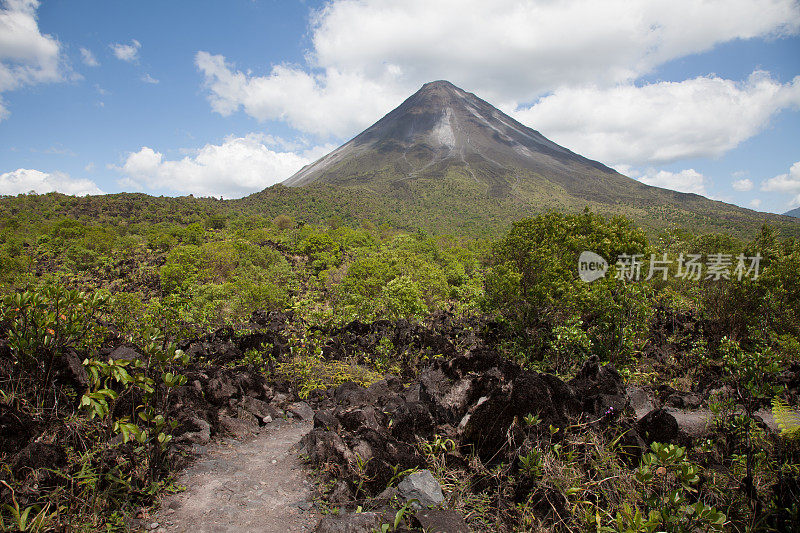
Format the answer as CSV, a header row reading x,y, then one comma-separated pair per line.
x,y
668,481
42,323
533,282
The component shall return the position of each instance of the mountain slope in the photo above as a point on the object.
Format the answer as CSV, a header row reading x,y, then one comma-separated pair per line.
x,y
442,129
450,158
793,213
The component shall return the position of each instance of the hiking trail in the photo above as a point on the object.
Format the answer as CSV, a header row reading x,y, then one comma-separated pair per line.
x,y
248,485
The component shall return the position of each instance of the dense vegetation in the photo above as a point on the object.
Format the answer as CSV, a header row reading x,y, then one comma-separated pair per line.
x,y
77,275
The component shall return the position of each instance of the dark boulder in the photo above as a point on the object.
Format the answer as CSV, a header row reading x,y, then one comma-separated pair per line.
x,y
409,419
341,494
71,372
326,446
38,455
220,390
479,360
258,408
325,420
658,426
16,429
193,431
351,394
383,456
301,410
599,388
354,419
487,426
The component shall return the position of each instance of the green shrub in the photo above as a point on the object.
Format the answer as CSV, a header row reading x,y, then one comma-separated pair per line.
x,y
533,282
668,481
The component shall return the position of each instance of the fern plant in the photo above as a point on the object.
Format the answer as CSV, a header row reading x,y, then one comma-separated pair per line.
x,y
787,419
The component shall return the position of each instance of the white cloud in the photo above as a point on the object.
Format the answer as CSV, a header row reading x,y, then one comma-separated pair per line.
x,y
743,184
661,122
789,182
24,180
126,52
786,183
688,180
507,51
238,166
334,104
147,78
755,203
27,57
88,58
512,49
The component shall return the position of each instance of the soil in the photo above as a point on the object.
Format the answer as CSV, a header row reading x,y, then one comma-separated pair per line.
x,y
256,484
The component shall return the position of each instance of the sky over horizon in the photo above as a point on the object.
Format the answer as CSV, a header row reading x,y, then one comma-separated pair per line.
x,y
227,98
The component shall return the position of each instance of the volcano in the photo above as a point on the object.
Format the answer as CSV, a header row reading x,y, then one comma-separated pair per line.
x,y
447,158
441,131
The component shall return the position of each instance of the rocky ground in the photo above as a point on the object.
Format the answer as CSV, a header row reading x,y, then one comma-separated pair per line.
x,y
249,443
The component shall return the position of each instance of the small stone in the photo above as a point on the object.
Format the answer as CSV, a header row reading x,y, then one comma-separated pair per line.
x,y
153,526
267,419
125,353
423,487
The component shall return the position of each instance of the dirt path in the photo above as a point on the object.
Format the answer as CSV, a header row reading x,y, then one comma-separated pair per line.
x,y
242,486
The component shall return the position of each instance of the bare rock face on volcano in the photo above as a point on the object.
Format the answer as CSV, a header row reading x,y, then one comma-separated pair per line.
x,y
443,130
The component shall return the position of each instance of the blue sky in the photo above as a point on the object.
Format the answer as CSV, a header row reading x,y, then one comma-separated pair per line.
x,y
226,98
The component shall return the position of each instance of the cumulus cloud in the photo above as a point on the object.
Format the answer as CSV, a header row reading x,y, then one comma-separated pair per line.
x,y
688,180
513,49
743,184
786,183
27,57
24,180
755,203
506,51
661,122
238,166
337,103
88,58
126,52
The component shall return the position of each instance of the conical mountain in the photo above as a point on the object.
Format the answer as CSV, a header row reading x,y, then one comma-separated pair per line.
x,y
447,160
443,130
